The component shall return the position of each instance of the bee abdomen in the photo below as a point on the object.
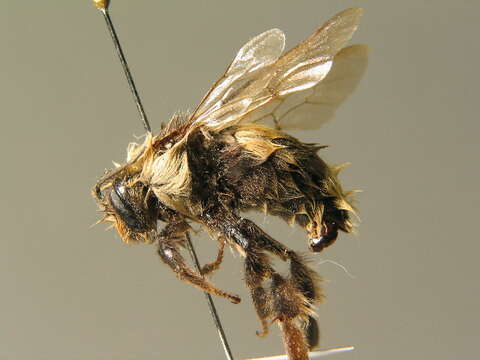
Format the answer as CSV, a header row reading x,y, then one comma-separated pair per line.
x,y
271,171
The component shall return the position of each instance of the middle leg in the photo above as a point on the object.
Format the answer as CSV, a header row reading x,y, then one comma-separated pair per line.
x,y
169,241
210,268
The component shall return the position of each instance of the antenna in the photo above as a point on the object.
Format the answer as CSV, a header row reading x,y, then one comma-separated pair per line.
x,y
102,5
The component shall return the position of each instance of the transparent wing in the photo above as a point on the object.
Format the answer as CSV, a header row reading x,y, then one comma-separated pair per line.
x,y
270,78
259,52
313,107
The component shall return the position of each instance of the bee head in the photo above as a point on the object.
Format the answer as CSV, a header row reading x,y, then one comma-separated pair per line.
x,y
132,208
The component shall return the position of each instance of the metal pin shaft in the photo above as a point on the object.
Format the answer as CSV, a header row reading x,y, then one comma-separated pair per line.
x,y
102,5
211,304
123,61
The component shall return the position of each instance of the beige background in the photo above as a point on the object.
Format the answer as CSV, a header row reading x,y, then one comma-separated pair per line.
x,y
69,291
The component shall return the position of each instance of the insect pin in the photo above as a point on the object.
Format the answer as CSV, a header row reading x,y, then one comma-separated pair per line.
x,y
209,167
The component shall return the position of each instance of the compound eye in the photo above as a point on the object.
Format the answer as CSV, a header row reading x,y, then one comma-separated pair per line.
x,y
124,205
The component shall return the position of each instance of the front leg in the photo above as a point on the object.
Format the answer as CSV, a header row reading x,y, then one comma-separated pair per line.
x,y
169,241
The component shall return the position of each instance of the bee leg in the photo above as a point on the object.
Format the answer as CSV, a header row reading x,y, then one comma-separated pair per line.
x,y
249,235
308,282
282,302
289,300
257,265
302,277
290,306
257,270
312,332
169,241
208,269
303,284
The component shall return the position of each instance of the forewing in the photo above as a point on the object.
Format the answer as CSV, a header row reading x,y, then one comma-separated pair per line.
x,y
259,52
310,61
311,108
263,83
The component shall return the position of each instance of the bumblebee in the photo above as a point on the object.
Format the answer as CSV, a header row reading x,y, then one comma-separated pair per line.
x,y
232,155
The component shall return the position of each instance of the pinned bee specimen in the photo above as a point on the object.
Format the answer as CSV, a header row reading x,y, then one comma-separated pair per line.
x,y
232,155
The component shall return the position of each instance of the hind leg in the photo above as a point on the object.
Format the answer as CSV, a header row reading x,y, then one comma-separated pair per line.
x,y
253,240
257,271
287,301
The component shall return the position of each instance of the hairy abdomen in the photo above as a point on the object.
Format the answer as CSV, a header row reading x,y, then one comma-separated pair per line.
x,y
268,170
